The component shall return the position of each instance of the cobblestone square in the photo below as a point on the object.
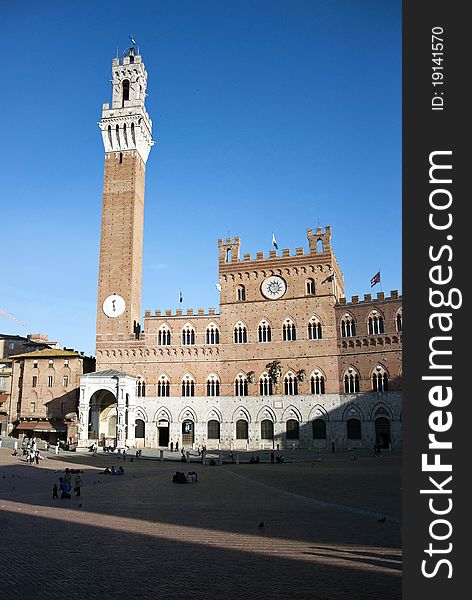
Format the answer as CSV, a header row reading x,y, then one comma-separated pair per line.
x,y
331,529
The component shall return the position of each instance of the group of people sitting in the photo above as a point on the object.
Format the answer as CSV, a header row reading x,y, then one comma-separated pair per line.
x,y
113,471
254,459
179,477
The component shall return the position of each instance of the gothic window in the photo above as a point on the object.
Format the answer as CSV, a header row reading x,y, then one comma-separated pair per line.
x,y
241,385
212,334
376,323
213,430
188,335
351,381
348,326
125,135
267,430
379,379
240,333
290,384
213,386
310,287
315,330
317,383
264,331
117,129
188,386
241,293
163,387
399,321
133,136
163,336
319,429
289,331
125,91
110,140
292,429
140,389
353,429
265,385
139,429
242,430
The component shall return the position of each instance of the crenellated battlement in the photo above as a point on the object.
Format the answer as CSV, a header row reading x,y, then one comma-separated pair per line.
x,y
319,242
179,312
394,295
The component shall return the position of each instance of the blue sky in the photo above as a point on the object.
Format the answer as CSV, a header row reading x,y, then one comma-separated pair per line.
x,y
269,115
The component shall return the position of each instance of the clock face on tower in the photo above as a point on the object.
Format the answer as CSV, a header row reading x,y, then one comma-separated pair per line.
x,y
273,287
114,306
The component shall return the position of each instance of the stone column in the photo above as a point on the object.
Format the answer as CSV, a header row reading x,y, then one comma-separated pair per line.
x,y
83,424
121,418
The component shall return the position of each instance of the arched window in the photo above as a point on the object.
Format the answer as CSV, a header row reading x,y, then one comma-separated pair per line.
x,y
241,385
317,383
290,384
319,246
267,430
188,386
310,287
212,334
213,430
213,386
117,129
315,330
265,385
163,335
351,381
353,429
379,379
110,140
348,326
163,386
319,429
264,331
188,335
125,135
133,135
140,388
125,87
399,321
240,333
242,430
292,429
376,323
139,429
228,255
241,290
289,331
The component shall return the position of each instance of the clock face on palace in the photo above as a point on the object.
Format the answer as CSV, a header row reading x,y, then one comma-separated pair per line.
x,y
114,306
273,287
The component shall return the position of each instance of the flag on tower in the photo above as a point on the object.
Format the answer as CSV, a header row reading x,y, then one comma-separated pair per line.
x,y
218,286
375,279
180,296
274,242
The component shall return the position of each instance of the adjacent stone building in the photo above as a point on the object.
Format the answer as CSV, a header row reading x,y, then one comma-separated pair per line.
x,y
285,360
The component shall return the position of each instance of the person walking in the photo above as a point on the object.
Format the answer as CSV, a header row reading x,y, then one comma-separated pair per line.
x,y
272,457
78,483
177,446
172,446
54,491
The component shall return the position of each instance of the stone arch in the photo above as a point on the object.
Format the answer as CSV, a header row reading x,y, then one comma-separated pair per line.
x,y
266,412
318,412
188,413
241,413
140,413
352,411
291,412
162,414
381,410
213,413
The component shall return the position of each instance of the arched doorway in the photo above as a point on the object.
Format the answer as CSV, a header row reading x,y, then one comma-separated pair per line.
x,y
382,432
140,429
188,432
103,418
163,433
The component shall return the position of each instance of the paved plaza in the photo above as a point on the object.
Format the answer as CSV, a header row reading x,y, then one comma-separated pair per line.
x,y
331,529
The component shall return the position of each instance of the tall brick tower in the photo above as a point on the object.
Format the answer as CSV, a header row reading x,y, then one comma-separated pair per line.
x,y
127,137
